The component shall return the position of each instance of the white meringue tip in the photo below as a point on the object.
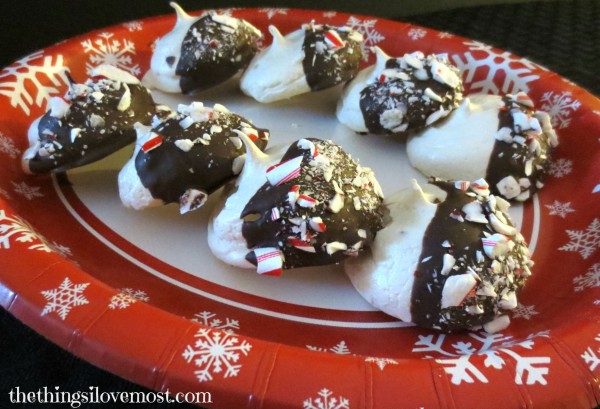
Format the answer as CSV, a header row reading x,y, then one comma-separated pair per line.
x,y
277,36
182,15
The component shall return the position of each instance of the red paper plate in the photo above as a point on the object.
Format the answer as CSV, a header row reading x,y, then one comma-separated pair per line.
x,y
138,293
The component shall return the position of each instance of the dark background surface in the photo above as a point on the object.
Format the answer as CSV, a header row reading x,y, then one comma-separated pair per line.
x,y
564,36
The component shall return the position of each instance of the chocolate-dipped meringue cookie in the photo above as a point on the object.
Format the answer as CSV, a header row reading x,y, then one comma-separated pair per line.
x,y
225,238
317,207
186,155
503,139
93,120
449,260
201,52
313,58
397,95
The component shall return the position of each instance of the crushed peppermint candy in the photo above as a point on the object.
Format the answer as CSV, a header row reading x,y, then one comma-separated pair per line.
x,y
192,199
333,40
269,261
522,154
284,172
154,142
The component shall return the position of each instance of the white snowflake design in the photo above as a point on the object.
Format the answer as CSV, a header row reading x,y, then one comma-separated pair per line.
x,y
271,12
560,209
134,26
28,192
561,168
17,229
517,72
326,400
370,35
7,146
496,348
596,188
416,33
332,14
214,351
591,357
210,319
107,50
64,298
45,73
59,249
559,107
443,35
585,242
340,348
5,194
590,279
127,297
524,311
381,362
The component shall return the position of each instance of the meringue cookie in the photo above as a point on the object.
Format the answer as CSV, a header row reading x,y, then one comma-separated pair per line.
x,y
93,120
502,139
201,52
402,94
186,155
448,260
312,58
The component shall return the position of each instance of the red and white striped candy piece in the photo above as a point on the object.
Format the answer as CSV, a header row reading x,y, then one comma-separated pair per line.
x,y
317,224
481,187
293,194
284,171
523,99
462,185
301,244
306,201
99,77
495,244
457,289
251,133
269,261
192,199
154,142
275,215
333,40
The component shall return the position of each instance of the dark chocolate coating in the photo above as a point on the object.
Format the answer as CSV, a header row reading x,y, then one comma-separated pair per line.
x,y
212,52
93,143
260,231
509,159
408,96
168,171
465,239
325,68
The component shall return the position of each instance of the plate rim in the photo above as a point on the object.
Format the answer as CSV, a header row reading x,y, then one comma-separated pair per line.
x,y
27,310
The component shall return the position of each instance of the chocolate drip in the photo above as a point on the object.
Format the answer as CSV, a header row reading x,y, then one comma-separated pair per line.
x,y
94,141
324,67
405,99
212,52
348,225
169,171
509,159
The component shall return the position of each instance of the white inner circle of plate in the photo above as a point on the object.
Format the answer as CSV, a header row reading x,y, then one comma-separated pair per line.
x,y
180,240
